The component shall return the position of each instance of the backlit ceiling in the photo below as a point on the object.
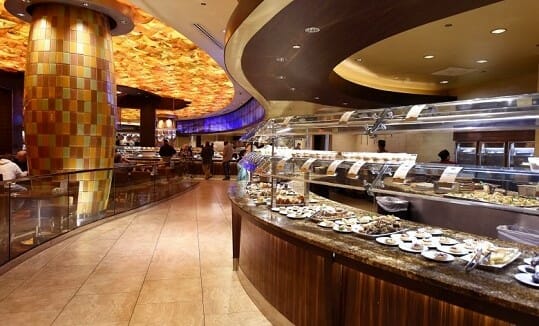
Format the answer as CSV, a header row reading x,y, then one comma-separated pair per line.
x,y
153,57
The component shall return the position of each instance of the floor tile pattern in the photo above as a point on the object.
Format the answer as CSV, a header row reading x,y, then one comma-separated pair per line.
x,y
170,264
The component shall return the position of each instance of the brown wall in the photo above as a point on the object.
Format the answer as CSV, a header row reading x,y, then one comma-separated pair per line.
x,y
11,121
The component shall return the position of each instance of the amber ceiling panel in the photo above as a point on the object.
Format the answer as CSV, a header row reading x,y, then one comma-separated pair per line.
x,y
153,57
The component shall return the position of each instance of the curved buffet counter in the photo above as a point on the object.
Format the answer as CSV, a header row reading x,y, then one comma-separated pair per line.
x,y
312,275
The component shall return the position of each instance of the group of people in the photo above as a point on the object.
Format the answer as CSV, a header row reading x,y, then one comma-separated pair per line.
x,y
207,159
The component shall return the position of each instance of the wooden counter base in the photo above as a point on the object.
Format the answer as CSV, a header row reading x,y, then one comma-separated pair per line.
x,y
308,287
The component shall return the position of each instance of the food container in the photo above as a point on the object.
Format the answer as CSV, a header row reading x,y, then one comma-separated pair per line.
x,y
527,190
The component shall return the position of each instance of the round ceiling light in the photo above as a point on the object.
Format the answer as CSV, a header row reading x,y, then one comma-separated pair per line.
x,y
444,82
281,77
428,56
280,59
498,31
312,29
482,61
296,46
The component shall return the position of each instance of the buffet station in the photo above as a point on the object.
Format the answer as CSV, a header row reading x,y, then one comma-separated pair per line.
x,y
351,267
310,259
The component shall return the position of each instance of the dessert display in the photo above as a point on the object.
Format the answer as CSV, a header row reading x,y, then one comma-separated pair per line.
x,y
497,198
437,256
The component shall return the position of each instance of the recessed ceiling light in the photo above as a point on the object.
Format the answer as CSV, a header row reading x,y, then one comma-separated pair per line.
x,y
118,92
428,56
224,30
482,61
20,14
345,103
359,59
395,77
85,4
498,31
296,46
292,89
312,29
316,97
280,59
444,82
281,77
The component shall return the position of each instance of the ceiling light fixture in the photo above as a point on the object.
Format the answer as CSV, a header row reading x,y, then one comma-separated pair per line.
x,y
20,14
428,56
482,61
296,46
448,25
359,59
312,29
345,103
498,31
280,59
316,97
444,82
85,4
202,3
281,77
292,89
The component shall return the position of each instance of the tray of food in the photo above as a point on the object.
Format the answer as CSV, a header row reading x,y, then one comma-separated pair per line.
x,y
493,257
381,226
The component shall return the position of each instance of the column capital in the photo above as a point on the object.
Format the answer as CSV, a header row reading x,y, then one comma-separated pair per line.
x,y
120,15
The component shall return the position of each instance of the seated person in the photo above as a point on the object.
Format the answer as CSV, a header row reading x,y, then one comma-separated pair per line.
x,y
20,160
11,171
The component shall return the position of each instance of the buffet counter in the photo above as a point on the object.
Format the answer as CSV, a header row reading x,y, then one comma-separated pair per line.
x,y
193,166
314,275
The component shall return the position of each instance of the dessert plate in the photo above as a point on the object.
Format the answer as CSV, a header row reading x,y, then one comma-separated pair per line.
x,y
437,256
526,278
388,241
409,247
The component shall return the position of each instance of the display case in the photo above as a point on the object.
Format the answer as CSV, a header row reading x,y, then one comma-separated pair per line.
x,y
519,152
466,153
444,195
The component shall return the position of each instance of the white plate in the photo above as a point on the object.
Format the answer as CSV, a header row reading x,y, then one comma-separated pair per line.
x,y
437,256
407,238
528,261
326,224
345,229
295,216
431,230
429,242
408,247
422,235
447,241
364,219
357,228
447,250
275,209
384,241
526,278
523,269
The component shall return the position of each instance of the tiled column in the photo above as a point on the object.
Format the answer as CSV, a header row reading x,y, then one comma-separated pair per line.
x,y
70,95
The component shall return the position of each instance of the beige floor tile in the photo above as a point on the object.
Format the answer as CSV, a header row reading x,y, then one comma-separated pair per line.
x,y
226,299
48,301
107,283
164,271
82,245
172,290
37,318
77,258
242,318
124,264
129,248
98,309
7,286
173,313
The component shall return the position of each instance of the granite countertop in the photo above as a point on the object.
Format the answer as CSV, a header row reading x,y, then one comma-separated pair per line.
x,y
496,286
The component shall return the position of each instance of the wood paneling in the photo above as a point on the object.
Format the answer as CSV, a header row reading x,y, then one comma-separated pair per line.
x,y
311,285
299,283
503,136
372,301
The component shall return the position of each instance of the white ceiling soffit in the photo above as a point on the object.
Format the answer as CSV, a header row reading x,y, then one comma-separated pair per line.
x,y
204,25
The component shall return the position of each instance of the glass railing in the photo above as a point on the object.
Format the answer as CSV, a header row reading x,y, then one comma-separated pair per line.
x,y
34,210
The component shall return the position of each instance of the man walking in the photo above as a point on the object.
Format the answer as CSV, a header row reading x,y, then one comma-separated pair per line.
x,y
228,151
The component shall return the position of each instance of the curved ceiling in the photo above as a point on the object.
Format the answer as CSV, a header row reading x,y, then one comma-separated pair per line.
x,y
460,45
288,64
153,57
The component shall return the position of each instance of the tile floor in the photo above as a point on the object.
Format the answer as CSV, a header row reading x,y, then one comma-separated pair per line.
x,y
170,264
